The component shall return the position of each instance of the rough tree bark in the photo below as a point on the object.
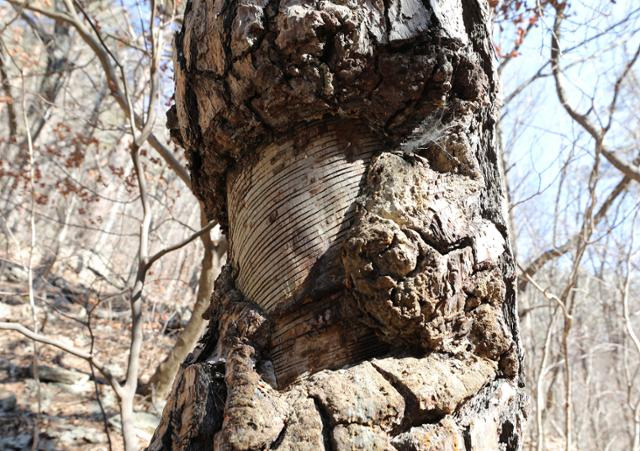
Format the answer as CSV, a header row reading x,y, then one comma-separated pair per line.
x,y
348,149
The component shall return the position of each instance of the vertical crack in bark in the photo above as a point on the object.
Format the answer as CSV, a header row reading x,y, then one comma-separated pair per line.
x,y
412,415
507,434
466,434
326,424
280,438
194,413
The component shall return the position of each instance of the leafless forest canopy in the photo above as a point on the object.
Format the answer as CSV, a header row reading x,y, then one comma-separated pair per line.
x,y
107,260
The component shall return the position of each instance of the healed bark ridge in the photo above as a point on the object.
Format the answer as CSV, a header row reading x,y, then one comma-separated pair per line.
x,y
368,303
425,267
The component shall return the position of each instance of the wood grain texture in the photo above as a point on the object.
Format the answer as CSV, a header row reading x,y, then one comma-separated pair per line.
x,y
290,205
290,208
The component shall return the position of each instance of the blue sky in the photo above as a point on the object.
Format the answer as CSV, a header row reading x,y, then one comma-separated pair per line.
x,y
540,137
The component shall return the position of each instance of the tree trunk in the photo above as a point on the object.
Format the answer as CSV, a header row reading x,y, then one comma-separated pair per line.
x,y
348,150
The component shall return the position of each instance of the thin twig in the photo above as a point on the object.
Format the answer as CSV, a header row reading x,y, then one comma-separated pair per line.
x,y
114,86
181,244
4,325
545,292
32,244
105,422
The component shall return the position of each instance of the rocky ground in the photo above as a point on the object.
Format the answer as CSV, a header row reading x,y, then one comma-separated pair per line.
x,y
63,407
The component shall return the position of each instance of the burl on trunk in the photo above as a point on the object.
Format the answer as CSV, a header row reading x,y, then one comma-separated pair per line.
x,y
347,147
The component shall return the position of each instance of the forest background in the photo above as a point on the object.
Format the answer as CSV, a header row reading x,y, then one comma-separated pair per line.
x,y
107,262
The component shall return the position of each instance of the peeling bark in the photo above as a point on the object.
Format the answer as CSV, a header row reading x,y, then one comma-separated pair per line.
x,y
348,150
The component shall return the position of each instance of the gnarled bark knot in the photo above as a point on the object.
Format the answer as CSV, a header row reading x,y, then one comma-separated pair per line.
x,y
348,149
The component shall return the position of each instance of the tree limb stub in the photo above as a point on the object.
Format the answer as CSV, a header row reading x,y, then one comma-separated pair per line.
x,y
348,150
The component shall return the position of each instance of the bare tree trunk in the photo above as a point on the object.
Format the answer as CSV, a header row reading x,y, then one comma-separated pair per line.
x,y
368,302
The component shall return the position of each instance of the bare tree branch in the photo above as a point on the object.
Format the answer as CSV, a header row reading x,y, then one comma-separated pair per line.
x,y
181,244
6,87
630,171
4,325
582,119
551,254
114,86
